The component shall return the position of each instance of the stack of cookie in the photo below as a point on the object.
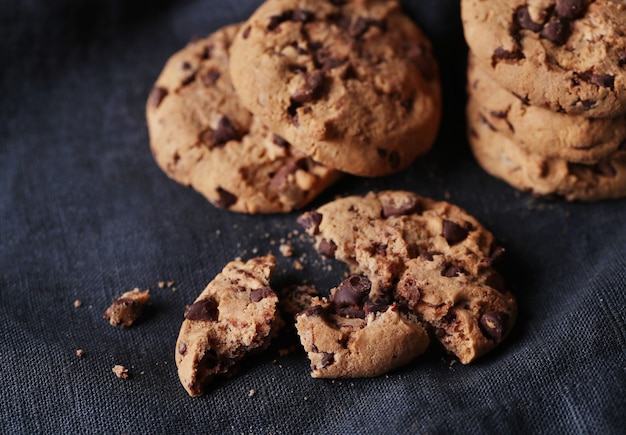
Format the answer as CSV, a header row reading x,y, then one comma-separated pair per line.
x,y
261,116
547,94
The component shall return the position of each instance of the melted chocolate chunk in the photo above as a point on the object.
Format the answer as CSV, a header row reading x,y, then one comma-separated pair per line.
x,y
352,291
246,32
280,142
571,9
210,77
450,271
259,294
310,220
603,80
328,359
311,89
525,21
205,310
429,255
453,232
493,324
327,248
225,131
410,206
157,94
500,54
226,199
556,30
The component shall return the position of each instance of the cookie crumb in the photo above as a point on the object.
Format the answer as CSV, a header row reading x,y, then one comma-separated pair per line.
x,y
286,250
161,284
77,303
297,265
126,309
79,353
252,392
120,371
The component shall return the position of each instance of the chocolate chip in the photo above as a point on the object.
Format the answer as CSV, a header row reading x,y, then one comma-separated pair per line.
x,y
278,183
259,294
157,94
182,349
310,220
206,52
377,249
588,104
407,207
493,324
622,60
226,199
278,140
525,21
371,307
188,80
210,77
411,290
352,291
185,65
327,359
453,232
571,9
225,131
556,30
302,15
450,270
429,255
500,114
315,310
500,54
246,32
311,89
327,248
277,20
204,309
603,80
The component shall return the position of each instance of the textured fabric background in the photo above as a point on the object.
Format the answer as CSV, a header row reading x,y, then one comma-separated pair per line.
x,y
86,214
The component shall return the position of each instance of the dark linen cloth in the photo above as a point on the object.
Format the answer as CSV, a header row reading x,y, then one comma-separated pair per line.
x,y
85,214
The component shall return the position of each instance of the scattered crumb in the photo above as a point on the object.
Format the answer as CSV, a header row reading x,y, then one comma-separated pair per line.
x,y
297,265
306,398
251,393
79,353
120,371
161,284
286,250
77,303
453,362
126,309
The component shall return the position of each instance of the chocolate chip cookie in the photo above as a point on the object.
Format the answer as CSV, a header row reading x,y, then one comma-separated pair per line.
x,y
541,131
568,56
505,159
429,254
353,84
349,336
201,136
234,316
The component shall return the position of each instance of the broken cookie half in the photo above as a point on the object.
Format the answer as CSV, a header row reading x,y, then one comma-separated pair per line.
x,y
235,315
349,336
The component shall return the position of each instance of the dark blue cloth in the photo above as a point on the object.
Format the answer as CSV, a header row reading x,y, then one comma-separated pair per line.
x,y
85,214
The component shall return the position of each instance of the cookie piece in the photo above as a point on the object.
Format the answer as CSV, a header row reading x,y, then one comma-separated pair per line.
x,y
503,158
353,84
351,337
568,56
417,251
201,136
234,317
126,309
541,131
470,311
376,234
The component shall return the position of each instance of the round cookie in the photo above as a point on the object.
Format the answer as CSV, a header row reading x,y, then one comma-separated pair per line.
x,y
568,56
396,238
350,337
505,159
541,131
201,136
353,84
233,317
